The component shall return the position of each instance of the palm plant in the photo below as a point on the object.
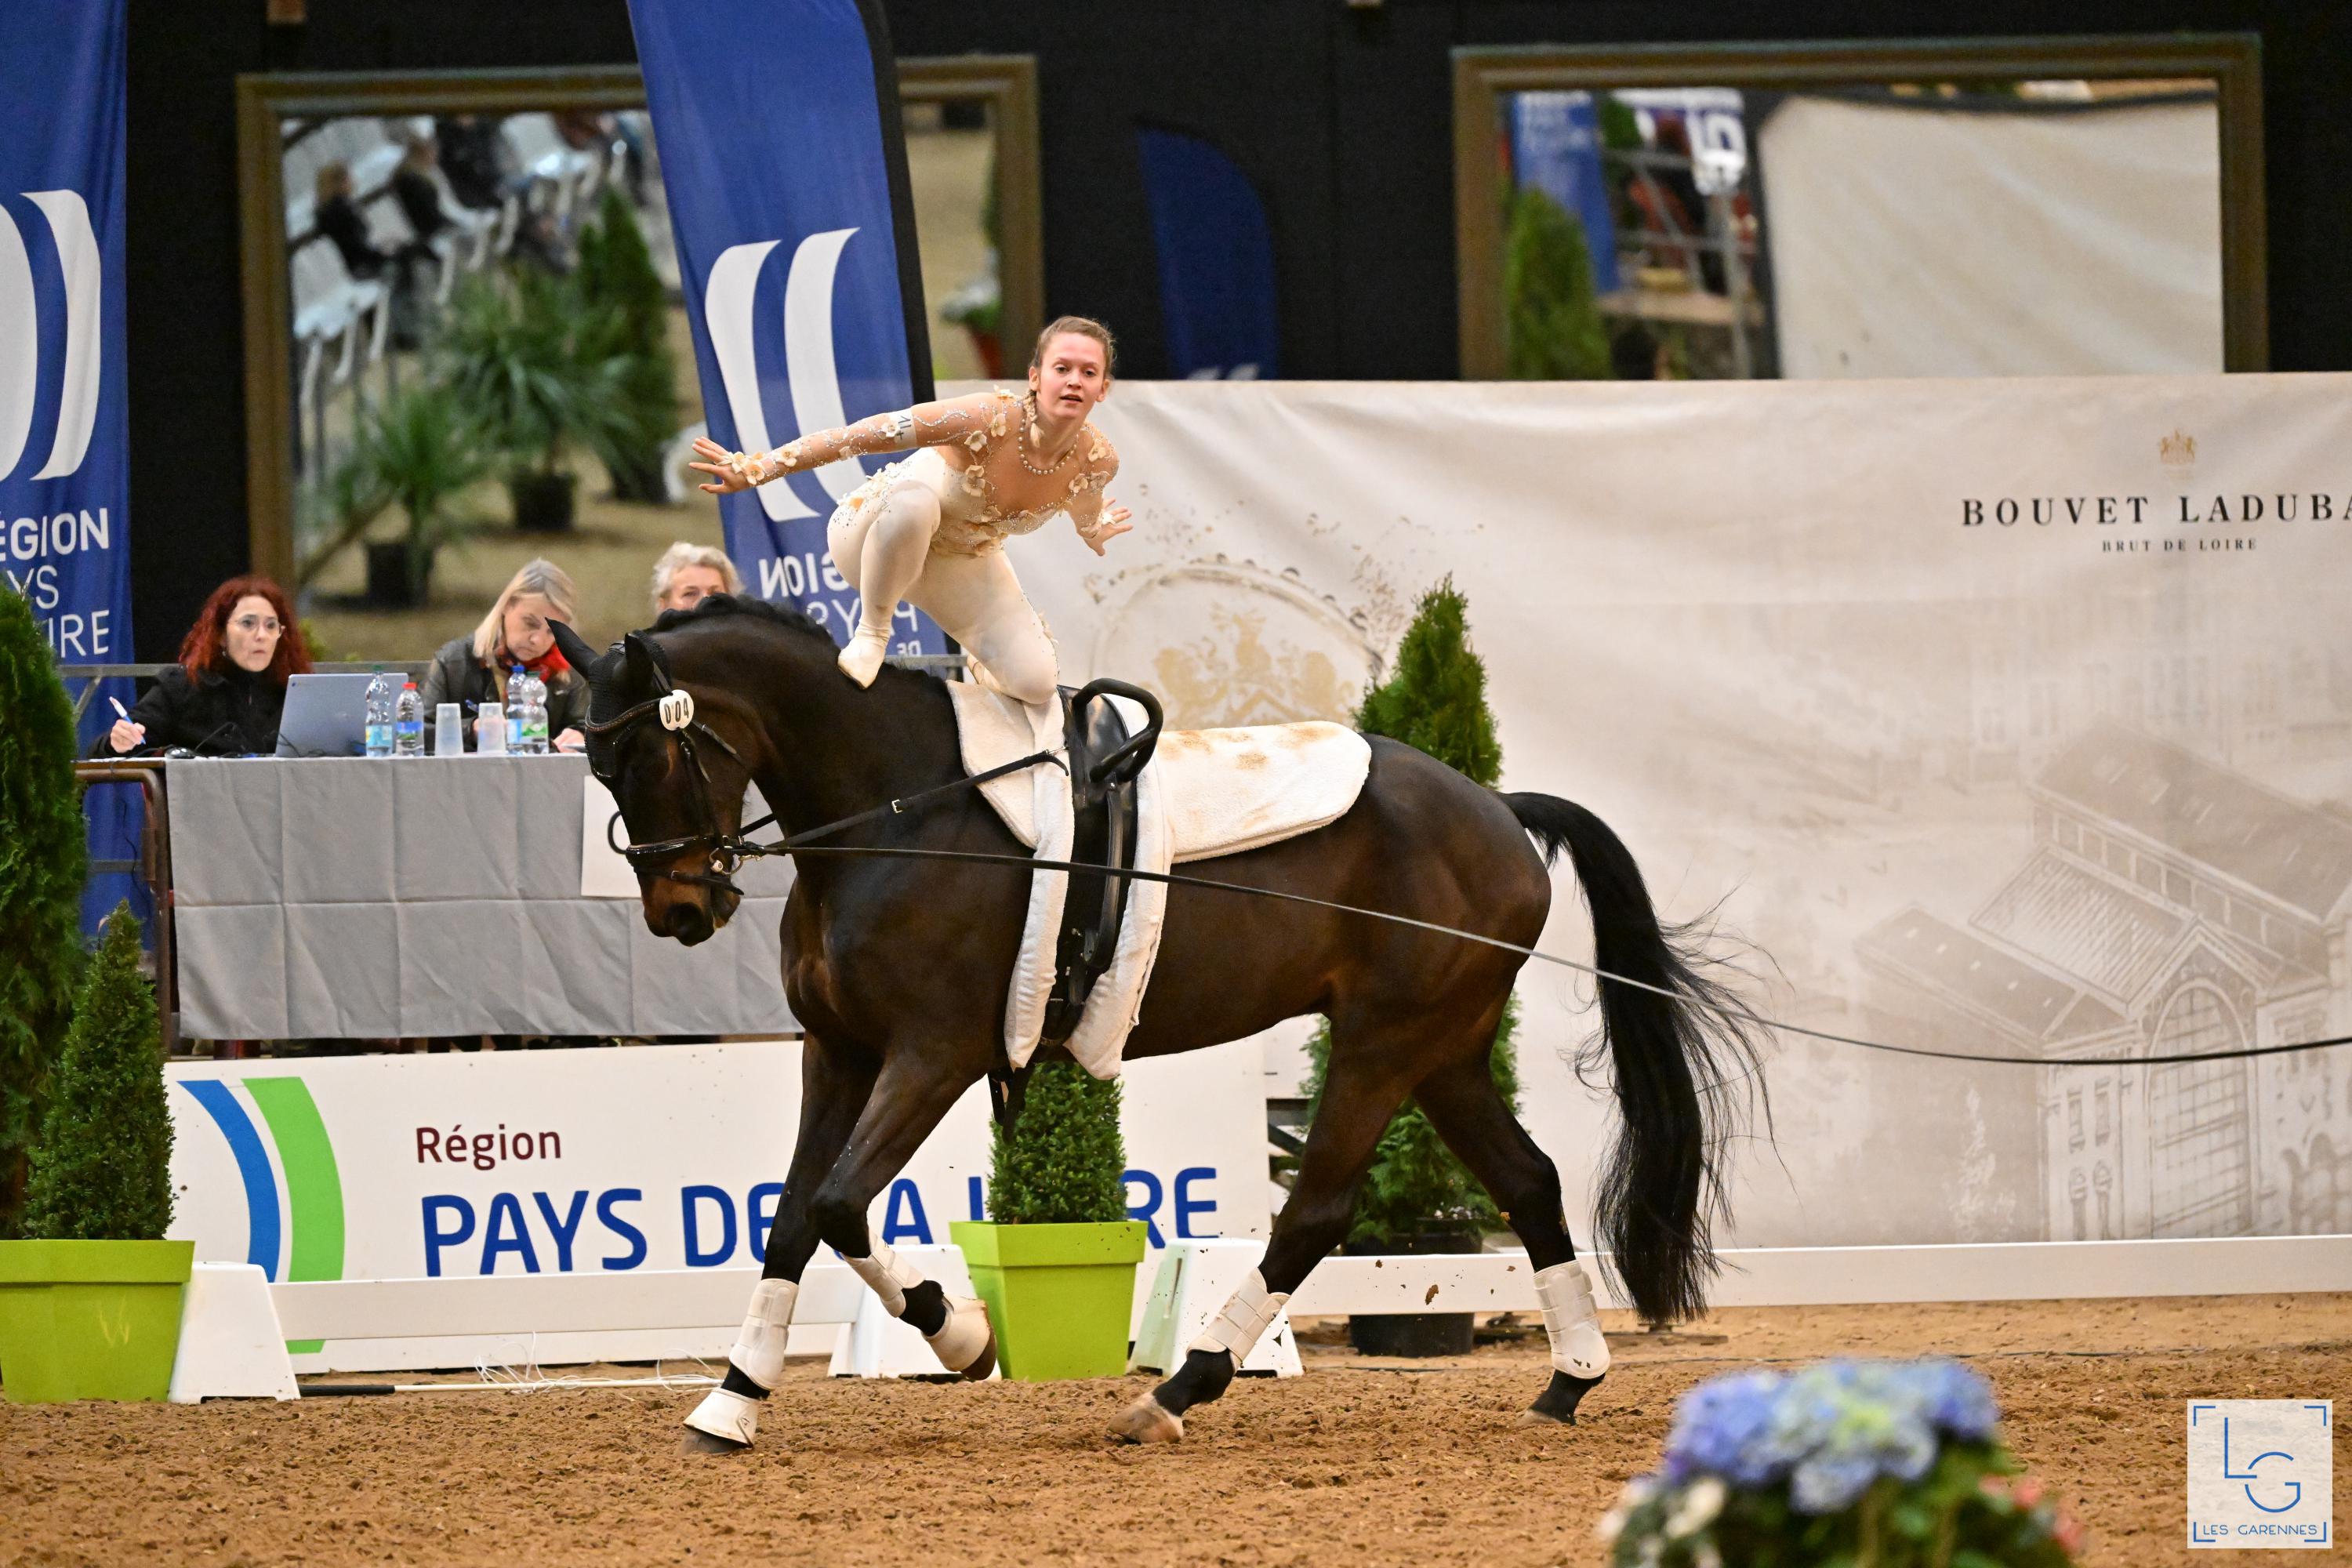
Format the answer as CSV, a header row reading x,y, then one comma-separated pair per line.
x,y
629,338
416,451
521,354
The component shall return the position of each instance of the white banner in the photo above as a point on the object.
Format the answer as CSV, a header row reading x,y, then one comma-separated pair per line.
x,y
487,1163
2005,717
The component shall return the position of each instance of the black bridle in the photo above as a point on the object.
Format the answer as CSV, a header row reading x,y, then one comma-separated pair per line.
x,y
725,851
674,709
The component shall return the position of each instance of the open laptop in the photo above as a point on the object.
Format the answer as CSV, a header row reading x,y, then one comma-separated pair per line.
x,y
325,716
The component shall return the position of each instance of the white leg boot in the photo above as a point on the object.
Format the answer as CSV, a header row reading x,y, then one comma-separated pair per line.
x,y
1571,1320
1246,1317
964,1342
1579,1352
758,1354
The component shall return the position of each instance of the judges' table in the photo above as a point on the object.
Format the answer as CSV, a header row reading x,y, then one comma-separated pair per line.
x,y
357,897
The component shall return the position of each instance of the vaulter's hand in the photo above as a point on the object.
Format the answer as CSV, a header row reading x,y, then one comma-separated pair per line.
x,y
717,461
1112,523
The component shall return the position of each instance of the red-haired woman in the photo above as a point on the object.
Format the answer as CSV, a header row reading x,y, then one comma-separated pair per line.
x,y
223,697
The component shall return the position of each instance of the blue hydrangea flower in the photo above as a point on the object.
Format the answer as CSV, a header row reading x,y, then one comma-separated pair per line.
x,y
1829,1430
1725,1427
1958,1400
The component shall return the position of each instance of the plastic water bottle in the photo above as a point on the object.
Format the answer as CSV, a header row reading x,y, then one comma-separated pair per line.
x,y
534,715
514,711
408,722
380,696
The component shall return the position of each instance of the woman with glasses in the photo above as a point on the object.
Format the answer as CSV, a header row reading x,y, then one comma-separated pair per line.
x,y
472,669
223,699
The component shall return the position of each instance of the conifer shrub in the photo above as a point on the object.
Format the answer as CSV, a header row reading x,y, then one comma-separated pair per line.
x,y
103,1164
1435,700
1552,311
1064,1162
44,861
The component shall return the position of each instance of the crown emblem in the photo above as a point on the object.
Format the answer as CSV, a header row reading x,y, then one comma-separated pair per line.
x,y
2177,449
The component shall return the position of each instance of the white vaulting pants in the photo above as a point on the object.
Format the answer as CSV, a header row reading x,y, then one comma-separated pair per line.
x,y
884,547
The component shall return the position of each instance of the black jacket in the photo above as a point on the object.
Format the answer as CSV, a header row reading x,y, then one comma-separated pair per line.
x,y
214,715
456,675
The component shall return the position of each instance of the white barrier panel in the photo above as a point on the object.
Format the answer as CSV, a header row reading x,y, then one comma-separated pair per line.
x,y
467,1178
385,1324
1829,1276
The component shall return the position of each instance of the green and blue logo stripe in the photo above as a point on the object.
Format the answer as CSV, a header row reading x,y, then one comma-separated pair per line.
x,y
308,1223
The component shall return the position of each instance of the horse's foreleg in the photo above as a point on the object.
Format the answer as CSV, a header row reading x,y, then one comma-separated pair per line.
x,y
1359,1098
1470,1113
835,1082
908,1100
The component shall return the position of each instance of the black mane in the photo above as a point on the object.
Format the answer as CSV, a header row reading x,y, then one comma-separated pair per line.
x,y
714,606
738,605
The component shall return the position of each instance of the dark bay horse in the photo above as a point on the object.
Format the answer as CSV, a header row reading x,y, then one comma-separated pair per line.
x,y
898,970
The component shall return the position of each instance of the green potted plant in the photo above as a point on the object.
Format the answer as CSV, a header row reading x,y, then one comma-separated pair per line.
x,y
1417,1197
1056,1260
629,340
42,868
90,1300
1554,327
416,451
517,353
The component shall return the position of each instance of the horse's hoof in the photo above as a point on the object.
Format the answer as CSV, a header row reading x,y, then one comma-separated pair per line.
x,y
1146,1421
723,1423
966,1342
1556,1405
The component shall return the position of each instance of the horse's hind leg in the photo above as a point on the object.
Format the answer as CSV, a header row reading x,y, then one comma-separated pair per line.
x,y
1367,1083
835,1082
1470,1113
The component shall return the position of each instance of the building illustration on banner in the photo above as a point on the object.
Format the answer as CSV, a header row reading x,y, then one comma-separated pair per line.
x,y
2165,905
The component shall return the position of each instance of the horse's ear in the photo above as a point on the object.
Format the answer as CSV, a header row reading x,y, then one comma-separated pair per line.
x,y
573,645
643,667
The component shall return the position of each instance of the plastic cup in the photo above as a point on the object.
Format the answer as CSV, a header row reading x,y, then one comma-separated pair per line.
x,y
448,730
490,730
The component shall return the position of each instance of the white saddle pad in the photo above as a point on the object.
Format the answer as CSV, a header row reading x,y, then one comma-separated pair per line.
x,y
1225,791
1206,793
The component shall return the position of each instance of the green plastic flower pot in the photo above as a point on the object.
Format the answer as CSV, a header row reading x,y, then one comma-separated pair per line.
x,y
90,1319
1060,1297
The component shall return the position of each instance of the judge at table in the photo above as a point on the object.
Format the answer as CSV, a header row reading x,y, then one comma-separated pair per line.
x,y
224,698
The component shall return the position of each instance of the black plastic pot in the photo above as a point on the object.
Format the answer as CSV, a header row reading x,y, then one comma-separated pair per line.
x,y
397,577
543,502
1418,1333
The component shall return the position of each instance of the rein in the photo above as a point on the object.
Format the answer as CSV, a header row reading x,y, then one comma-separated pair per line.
x,y
727,851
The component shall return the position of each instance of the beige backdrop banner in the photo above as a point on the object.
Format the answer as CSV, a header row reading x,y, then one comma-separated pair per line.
x,y
2010,717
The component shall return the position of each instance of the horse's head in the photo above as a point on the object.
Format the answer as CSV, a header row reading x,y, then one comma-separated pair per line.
x,y
677,760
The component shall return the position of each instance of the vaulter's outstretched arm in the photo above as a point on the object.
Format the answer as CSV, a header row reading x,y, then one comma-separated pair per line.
x,y
1097,517
976,421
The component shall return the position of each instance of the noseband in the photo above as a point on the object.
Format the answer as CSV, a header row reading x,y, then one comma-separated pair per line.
x,y
675,711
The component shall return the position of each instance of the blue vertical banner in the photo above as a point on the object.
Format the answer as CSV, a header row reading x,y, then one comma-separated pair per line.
x,y
1556,149
777,125
64,426
65,536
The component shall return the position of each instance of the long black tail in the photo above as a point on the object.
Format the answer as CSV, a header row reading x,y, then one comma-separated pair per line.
x,y
1683,1065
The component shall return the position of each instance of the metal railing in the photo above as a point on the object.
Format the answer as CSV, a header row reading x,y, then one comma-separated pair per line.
x,y
153,867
